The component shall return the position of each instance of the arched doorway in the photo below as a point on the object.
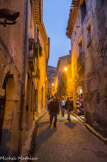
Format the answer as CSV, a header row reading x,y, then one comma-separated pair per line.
x,y
2,109
80,90
80,101
8,117
2,106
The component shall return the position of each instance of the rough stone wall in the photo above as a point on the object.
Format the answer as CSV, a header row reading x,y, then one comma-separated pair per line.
x,y
19,108
27,116
11,36
11,61
48,88
93,76
55,78
43,76
51,71
63,76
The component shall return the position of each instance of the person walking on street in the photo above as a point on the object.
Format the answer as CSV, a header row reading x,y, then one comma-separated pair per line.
x,y
59,104
53,108
50,100
63,105
69,108
71,102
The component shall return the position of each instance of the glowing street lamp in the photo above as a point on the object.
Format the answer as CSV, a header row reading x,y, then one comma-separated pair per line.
x,y
65,69
52,84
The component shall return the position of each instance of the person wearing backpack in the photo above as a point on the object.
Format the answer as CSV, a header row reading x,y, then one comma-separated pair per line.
x,y
53,109
63,105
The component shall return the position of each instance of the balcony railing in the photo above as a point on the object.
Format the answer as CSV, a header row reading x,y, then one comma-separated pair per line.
x,y
31,43
31,61
31,57
36,49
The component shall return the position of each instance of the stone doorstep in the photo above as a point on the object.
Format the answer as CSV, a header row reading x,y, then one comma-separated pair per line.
x,y
96,133
26,146
78,117
90,128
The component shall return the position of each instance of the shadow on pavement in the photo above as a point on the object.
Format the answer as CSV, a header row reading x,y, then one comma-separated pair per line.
x,y
44,136
42,124
41,138
70,125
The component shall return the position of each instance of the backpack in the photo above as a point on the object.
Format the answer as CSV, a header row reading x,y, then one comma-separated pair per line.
x,y
63,102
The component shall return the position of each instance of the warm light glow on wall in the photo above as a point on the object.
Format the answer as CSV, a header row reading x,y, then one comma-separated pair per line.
x,y
80,91
65,69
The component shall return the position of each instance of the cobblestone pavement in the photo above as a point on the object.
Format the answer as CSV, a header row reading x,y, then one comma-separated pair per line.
x,y
69,142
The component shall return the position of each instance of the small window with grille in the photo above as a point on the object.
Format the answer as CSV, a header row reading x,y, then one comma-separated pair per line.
x,y
80,47
99,3
83,11
88,35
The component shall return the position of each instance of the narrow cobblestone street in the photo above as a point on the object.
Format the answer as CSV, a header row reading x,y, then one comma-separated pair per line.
x,y
69,142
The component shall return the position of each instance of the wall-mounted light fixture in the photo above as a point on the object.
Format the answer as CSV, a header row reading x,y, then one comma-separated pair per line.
x,y
65,69
8,17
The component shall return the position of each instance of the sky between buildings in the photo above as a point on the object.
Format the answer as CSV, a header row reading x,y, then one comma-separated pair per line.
x,y
55,16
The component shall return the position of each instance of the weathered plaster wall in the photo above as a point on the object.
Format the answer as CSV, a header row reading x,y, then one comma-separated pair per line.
x,y
93,78
11,61
63,76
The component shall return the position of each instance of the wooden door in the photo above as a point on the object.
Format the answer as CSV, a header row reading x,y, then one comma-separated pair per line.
x,y
2,109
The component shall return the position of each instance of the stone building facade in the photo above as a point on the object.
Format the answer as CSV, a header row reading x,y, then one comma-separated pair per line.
x,y
48,88
24,53
87,29
55,81
64,75
51,70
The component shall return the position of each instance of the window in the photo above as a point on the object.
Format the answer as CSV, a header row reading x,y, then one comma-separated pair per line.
x,y
80,60
80,47
83,11
100,4
88,36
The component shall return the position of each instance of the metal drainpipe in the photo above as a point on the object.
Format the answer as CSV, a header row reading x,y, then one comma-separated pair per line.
x,y
25,51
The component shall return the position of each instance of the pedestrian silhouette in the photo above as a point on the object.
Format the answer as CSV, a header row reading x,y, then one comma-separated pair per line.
x,y
53,109
63,105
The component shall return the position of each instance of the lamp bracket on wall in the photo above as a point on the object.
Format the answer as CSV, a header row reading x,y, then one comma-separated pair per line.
x,y
8,17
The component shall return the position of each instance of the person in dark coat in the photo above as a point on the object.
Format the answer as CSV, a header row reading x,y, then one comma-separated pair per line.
x,y
53,109
69,108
